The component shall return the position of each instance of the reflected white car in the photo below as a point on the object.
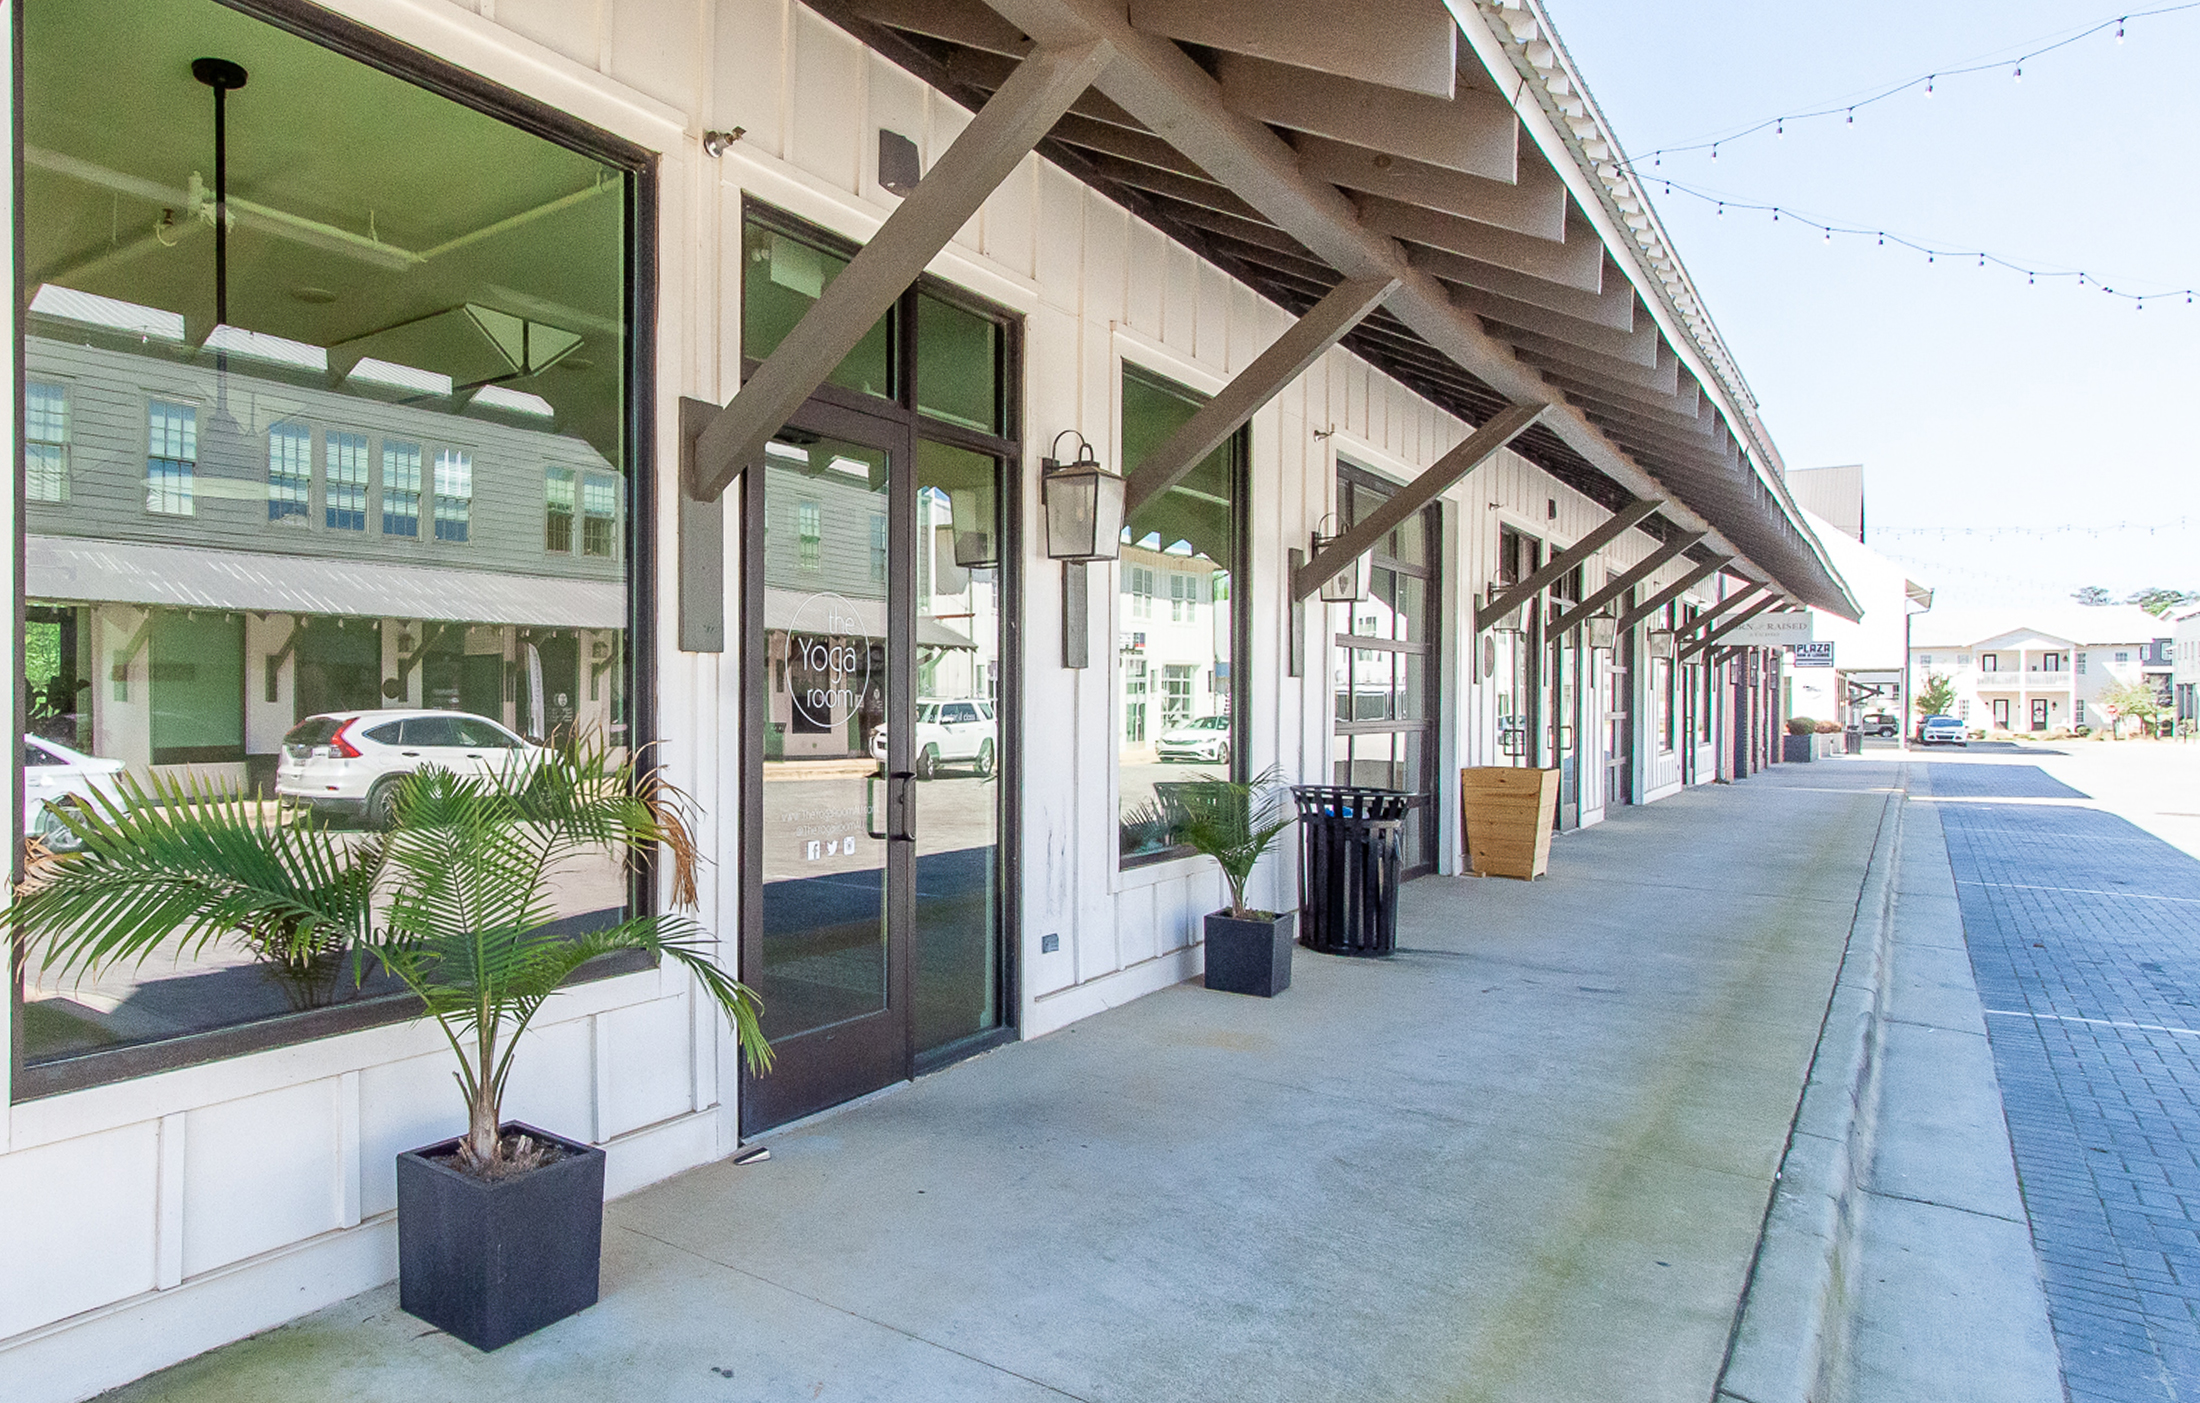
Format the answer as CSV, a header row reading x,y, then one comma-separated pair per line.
x,y
1204,738
54,776
948,733
349,763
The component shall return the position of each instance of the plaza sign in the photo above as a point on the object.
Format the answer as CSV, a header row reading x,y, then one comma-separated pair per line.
x,y
1813,655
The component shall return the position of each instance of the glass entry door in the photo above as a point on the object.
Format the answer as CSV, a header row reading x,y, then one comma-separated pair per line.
x,y
872,929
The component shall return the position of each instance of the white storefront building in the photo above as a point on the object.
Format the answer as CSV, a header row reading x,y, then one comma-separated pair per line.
x,y
497,270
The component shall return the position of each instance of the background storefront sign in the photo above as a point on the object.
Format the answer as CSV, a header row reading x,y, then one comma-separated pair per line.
x,y
1771,631
1814,654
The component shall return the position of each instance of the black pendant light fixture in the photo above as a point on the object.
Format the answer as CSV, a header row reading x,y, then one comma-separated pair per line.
x,y
223,451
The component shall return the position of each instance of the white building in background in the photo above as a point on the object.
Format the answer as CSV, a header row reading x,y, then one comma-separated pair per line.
x,y
2040,669
2184,678
1865,676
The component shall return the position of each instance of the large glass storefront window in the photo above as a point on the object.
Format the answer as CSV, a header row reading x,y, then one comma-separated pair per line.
x,y
1180,623
302,464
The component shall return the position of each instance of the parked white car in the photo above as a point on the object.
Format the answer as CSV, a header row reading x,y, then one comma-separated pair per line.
x,y
54,777
349,763
959,732
1203,738
1942,730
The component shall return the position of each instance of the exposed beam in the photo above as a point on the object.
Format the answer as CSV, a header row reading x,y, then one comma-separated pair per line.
x,y
1409,45
1662,378
1690,650
1639,346
1474,132
1108,139
965,22
1711,612
1613,307
1672,592
1004,132
1285,360
1608,531
1507,425
1576,261
1643,570
1534,205
1194,190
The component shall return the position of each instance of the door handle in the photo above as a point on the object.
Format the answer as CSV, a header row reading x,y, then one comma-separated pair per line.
x,y
870,807
410,754
901,813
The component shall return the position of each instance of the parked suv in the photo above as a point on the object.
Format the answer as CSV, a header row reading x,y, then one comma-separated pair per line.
x,y
1942,730
1882,723
1204,738
349,763
959,732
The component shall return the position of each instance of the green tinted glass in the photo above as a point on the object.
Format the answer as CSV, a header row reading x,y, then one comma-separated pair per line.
x,y
958,359
781,279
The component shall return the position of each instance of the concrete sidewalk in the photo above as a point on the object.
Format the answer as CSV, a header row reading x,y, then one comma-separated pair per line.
x,y
1527,1158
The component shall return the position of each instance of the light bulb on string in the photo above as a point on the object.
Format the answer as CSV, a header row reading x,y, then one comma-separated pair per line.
x,y
1781,129
2120,29
1982,260
2018,75
1852,116
1714,151
1722,209
1929,85
1776,214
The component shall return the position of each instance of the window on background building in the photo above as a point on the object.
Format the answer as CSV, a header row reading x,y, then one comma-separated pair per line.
x,y
1963,710
45,442
1926,659
599,516
400,488
171,457
242,474
2122,658
1191,534
1183,596
345,498
289,472
1138,584
1963,660
1987,662
2080,669
558,503
454,495
809,531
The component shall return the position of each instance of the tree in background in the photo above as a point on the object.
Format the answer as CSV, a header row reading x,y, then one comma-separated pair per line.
x,y
2135,699
1937,697
2092,596
2158,601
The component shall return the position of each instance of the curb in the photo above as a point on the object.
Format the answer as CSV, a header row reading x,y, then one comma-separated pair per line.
x,y
1785,1339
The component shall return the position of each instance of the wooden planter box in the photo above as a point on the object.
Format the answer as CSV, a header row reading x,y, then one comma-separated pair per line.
x,y
1508,814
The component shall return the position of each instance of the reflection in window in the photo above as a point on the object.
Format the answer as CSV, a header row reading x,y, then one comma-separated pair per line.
x,y
600,517
346,494
289,472
557,526
400,488
219,443
878,548
171,457
782,276
809,535
1188,533
454,495
46,442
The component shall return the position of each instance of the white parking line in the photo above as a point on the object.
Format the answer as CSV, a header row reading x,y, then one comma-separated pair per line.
x,y
2079,891
2098,1022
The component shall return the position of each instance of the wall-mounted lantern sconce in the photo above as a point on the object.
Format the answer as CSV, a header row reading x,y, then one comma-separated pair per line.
x,y
1349,585
1661,643
1083,503
1603,631
1083,506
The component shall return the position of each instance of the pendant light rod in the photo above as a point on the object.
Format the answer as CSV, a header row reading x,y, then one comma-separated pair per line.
x,y
221,75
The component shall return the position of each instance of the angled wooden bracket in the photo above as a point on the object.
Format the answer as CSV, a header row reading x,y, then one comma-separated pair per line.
x,y
1608,531
1717,607
1303,343
1649,566
1671,592
1689,650
1502,428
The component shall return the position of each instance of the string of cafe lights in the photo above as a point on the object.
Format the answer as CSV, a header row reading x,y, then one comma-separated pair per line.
x,y
2183,523
1847,110
1933,251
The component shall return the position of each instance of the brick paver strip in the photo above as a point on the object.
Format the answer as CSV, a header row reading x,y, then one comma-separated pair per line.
x,y
2084,933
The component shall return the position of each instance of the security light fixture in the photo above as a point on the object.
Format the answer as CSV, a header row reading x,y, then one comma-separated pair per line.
x,y
1083,503
715,144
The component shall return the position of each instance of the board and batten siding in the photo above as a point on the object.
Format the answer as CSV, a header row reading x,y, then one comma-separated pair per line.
x,y
180,1210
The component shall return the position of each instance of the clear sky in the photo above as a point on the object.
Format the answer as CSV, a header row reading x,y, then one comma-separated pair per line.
x,y
1972,399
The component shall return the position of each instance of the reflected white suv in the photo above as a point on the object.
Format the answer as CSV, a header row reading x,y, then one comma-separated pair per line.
x,y
949,733
349,763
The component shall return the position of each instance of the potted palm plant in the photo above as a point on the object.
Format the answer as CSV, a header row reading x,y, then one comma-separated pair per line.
x,y
500,1229
1236,823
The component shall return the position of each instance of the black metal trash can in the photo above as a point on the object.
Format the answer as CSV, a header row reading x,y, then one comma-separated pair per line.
x,y
1348,867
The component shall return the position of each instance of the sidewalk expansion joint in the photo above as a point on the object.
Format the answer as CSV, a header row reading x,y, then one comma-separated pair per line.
x,y
839,1309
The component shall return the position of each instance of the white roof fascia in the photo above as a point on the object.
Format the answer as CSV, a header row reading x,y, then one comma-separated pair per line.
x,y
1592,187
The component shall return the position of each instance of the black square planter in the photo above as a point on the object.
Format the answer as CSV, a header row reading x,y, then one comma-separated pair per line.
x,y
1251,957
490,1262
